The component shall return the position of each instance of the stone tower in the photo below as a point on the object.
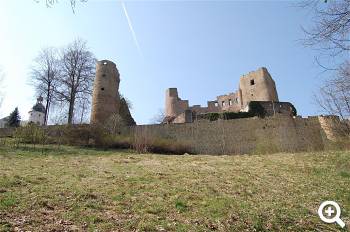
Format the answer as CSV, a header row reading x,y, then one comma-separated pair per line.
x,y
173,104
105,99
257,86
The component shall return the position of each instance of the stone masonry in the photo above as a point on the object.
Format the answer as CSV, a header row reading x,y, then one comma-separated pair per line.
x,y
255,86
249,135
106,101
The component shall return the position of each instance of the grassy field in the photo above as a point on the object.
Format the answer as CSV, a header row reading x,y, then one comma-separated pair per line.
x,y
76,189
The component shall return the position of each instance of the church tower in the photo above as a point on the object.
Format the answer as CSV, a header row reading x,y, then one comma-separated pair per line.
x,y
37,114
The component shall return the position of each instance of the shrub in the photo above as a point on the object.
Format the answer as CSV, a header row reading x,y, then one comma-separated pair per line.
x,y
167,146
121,142
141,140
233,115
294,110
93,136
145,142
256,109
340,144
30,133
78,135
265,147
212,116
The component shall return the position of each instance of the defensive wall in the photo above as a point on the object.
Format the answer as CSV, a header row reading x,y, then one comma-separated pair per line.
x,y
240,136
246,136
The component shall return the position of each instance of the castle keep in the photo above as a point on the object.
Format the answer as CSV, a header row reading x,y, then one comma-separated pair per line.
x,y
106,100
255,86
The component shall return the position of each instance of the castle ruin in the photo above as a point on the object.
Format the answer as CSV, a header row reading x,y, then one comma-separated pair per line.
x,y
255,86
282,133
106,100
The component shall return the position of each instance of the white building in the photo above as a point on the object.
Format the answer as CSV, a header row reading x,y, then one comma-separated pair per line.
x,y
37,114
3,122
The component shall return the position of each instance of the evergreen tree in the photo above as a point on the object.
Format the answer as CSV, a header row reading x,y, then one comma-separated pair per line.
x,y
14,119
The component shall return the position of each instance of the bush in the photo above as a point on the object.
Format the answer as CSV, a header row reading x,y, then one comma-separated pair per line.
x,y
167,146
30,133
78,135
225,115
145,142
212,116
255,109
294,110
121,142
340,144
94,136
233,115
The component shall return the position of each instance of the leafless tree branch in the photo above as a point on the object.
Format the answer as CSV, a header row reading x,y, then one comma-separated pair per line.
x,y
45,75
51,3
334,96
78,71
331,30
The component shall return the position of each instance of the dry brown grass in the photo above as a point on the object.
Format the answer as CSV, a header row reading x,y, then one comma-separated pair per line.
x,y
84,189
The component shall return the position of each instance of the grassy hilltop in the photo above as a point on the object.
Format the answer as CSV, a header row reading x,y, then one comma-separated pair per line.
x,y
76,189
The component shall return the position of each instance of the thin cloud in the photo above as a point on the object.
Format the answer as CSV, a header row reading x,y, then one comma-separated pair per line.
x,y
131,29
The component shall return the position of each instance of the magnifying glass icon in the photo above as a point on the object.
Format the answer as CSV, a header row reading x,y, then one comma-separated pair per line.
x,y
332,216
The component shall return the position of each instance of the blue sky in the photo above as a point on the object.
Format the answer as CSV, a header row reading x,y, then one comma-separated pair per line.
x,y
200,47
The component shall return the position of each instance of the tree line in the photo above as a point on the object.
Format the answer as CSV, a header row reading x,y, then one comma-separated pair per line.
x,y
64,78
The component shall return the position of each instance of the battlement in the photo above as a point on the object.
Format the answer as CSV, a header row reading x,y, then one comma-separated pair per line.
x,y
260,71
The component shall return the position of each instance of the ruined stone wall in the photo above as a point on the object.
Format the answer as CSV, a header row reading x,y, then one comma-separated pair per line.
x,y
203,110
173,104
257,86
229,102
105,100
125,114
184,117
333,127
277,108
240,136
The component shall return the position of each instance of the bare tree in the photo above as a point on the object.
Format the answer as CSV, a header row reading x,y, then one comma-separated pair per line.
x,y
83,108
334,99
334,96
58,115
115,124
159,117
78,71
50,3
330,34
45,76
331,28
128,102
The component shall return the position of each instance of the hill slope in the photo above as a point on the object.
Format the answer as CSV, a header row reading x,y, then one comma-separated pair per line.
x,y
84,189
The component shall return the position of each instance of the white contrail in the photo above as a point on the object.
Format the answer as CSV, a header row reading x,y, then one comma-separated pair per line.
x,y
131,28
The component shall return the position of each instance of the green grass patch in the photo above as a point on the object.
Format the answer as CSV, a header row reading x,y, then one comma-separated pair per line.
x,y
7,200
70,188
344,174
180,205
